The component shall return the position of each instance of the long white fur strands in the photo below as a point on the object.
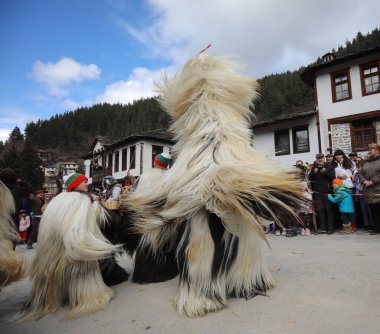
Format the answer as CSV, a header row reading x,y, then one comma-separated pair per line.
x,y
216,170
65,269
12,264
216,165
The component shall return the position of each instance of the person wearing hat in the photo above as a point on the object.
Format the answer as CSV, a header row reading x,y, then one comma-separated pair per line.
x,y
343,198
77,182
146,264
321,175
161,164
70,246
329,159
112,188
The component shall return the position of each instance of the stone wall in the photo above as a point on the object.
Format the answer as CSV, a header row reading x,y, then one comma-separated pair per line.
x,y
341,137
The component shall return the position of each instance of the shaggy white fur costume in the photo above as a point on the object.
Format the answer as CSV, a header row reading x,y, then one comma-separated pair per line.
x,y
12,264
65,269
219,189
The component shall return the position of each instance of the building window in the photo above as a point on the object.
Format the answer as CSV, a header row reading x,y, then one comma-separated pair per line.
x,y
301,140
155,151
116,168
132,157
341,86
110,162
362,133
282,142
124,159
370,75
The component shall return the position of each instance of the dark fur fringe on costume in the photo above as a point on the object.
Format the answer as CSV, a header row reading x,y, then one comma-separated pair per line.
x,y
117,231
153,266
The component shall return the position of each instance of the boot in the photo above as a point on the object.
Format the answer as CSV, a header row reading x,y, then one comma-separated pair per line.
x,y
347,229
354,227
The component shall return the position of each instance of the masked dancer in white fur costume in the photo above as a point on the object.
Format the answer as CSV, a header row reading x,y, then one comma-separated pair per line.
x,y
219,188
12,264
65,269
162,267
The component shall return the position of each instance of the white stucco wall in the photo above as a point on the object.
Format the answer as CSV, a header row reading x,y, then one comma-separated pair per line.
x,y
143,147
147,158
264,141
358,104
135,171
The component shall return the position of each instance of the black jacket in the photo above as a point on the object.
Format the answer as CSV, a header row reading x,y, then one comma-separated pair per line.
x,y
321,181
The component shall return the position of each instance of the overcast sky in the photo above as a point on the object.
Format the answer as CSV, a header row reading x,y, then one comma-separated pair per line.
x,y
60,55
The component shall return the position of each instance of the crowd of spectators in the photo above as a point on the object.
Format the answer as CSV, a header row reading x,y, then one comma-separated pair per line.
x,y
345,194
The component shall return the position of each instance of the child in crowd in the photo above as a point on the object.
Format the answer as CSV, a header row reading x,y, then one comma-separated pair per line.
x,y
343,198
23,225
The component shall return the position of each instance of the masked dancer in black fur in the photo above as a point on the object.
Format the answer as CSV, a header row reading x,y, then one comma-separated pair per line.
x,y
151,266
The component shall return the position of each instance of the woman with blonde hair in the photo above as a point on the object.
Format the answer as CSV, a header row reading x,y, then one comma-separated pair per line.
x,y
369,177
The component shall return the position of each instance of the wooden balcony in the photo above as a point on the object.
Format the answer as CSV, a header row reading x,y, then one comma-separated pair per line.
x,y
98,175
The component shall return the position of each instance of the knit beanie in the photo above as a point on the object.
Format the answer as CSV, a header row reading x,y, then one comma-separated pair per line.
x,y
162,160
339,182
74,181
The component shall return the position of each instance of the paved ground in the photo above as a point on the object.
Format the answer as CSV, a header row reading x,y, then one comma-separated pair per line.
x,y
325,284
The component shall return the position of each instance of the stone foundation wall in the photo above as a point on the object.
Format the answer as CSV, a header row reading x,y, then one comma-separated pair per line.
x,y
341,137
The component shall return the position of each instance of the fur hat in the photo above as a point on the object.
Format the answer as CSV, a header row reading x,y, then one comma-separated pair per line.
x,y
339,182
162,160
74,181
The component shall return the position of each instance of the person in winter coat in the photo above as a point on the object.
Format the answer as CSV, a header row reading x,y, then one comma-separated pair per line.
x,y
345,203
320,177
359,198
369,177
344,170
38,203
112,188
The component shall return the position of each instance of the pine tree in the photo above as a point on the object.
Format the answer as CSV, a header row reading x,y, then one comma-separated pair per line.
x,y
15,135
31,170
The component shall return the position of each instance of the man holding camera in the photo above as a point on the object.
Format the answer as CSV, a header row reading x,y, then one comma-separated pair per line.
x,y
321,176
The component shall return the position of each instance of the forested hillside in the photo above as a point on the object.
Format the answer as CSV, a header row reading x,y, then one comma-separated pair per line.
x,y
75,131
72,132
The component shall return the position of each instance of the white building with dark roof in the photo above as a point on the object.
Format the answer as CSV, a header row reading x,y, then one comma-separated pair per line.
x,y
346,114
347,100
134,153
